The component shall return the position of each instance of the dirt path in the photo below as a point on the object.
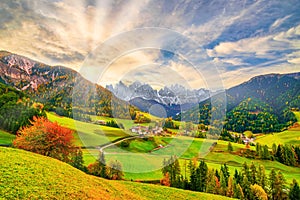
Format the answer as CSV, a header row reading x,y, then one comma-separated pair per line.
x,y
117,142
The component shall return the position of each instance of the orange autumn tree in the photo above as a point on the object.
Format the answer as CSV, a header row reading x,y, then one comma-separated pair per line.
x,y
46,138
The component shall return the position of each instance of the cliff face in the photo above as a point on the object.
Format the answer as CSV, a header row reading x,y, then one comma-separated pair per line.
x,y
26,74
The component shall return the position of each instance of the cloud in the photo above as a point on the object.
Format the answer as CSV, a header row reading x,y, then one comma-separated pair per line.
x,y
279,22
233,36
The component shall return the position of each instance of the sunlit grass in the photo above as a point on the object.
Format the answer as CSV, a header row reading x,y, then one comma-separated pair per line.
x,y
6,138
25,175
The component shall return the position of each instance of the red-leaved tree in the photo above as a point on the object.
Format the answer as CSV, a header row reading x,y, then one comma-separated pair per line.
x,y
46,138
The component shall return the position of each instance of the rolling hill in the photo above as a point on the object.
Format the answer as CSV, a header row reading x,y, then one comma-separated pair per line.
x,y
26,175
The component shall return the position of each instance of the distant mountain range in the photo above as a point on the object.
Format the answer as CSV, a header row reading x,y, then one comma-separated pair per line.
x,y
172,95
56,87
173,99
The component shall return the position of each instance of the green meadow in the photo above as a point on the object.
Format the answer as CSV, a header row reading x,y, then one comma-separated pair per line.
x,y
6,138
88,134
141,163
27,175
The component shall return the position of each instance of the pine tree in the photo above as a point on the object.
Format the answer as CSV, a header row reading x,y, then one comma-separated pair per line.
x,y
272,180
230,148
294,191
246,188
258,150
238,192
225,171
266,153
274,149
223,184
77,159
246,172
210,181
279,187
230,187
203,169
217,174
261,177
279,153
238,178
253,173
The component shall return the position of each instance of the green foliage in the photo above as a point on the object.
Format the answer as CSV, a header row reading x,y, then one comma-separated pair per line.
x,y
253,115
141,118
99,168
77,159
16,110
172,168
230,148
169,123
112,123
294,191
288,154
114,170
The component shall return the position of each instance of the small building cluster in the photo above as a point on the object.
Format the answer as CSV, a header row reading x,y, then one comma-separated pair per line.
x,y
247,140
144,130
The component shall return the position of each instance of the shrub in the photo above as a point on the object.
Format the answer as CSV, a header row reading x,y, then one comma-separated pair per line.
x,y
46,138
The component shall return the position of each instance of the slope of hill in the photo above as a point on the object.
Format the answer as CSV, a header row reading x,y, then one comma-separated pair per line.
x,y
57,86
278,90
26,175
272,96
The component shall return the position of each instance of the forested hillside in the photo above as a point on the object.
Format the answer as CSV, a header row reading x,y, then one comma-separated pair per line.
x,y
16,109
262,104
54,87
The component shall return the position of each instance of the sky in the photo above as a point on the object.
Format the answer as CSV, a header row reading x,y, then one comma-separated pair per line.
x,y
196,43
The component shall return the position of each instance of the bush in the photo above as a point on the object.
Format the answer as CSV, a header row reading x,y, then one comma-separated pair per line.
x,y
47,138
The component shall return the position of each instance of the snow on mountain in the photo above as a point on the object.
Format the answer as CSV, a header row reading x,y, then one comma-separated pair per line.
x,y
172,95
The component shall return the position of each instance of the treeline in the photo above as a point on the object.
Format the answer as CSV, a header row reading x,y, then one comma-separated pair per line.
x,y
250,183
16,109
285,154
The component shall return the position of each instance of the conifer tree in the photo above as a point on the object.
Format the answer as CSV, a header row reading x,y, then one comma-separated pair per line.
x,y
230,187
238,192
272,180
230,148
253,173
294,191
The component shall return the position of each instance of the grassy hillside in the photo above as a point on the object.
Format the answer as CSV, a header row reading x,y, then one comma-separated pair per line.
x,y
31,176
6,138
90,134
189,147
291,136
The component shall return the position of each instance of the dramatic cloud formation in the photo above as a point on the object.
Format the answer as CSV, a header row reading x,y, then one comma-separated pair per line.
x,y
240,39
